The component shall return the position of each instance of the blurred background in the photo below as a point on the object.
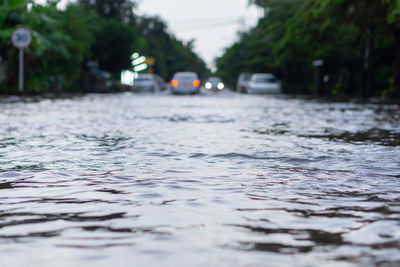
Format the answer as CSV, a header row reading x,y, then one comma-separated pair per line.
x,y
319,47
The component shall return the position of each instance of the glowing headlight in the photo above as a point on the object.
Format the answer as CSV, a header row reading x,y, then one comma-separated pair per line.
x,y
220,86
208,85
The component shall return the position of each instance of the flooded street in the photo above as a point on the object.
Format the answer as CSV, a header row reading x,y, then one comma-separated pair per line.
x,y
214,179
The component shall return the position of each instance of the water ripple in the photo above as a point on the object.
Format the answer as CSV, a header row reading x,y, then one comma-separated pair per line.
x,y
215,179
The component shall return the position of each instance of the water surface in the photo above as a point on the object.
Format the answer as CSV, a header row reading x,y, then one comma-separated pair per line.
x,y
219,180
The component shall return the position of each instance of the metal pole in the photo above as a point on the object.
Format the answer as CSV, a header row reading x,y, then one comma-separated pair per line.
x,y
21,70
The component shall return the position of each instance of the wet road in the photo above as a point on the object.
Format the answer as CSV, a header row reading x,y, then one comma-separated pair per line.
x,y
217,180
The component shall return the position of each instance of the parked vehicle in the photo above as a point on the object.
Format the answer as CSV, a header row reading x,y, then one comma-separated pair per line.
x,y
264,83
185,83
243,82
214,84
161,82
146,83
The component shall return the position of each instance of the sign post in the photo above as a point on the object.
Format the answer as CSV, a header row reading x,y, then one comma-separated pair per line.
x,y
319,76
21,38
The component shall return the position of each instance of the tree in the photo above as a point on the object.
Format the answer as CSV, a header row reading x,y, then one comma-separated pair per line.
x,y
393,18
258,49
352,37
251,54
64,41
369,18
121,10
171,55
114,43
81,27
60,43
10,13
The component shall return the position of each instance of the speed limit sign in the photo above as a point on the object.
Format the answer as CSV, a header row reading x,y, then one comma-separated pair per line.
x,y
21,38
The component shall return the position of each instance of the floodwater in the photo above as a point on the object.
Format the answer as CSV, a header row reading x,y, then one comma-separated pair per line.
x,y
208,180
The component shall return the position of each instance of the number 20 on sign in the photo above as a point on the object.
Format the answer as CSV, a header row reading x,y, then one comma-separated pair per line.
x,y
21,38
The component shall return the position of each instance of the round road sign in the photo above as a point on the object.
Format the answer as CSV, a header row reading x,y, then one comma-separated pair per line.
x,y
21,37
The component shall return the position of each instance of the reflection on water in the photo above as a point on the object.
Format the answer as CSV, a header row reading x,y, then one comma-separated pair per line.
x,y
371,136
223,180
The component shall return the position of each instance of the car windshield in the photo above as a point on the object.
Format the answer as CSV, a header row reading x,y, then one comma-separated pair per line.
x,y
143,79
265,80
245,77
214,80
186,78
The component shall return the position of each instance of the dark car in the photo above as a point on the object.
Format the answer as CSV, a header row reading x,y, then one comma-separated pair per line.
x,y
214,84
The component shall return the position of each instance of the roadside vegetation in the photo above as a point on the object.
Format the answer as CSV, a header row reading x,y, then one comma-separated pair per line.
x,y
357,41
74,49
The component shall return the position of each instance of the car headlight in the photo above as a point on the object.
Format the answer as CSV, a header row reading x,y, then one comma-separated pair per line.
x,y
220,86
208,85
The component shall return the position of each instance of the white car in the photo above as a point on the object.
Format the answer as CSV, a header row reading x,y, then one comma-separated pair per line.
x,y
185,83
243,82
146,83
264,83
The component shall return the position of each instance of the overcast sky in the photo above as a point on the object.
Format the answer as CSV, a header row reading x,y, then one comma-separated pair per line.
x,y
213,24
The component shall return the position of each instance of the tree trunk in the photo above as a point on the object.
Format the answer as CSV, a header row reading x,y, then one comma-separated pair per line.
x,y
319,81
396,32
342,83
369,65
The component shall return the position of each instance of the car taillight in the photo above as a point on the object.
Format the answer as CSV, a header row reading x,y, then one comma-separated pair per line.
x,y
174,83
196,83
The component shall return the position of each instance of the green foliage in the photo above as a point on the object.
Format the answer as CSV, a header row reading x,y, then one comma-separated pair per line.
x,y
352,37
103,31
393,14
7,6
258,50
121,10
61,40
171,55
261,3
80,26
9,9
113,45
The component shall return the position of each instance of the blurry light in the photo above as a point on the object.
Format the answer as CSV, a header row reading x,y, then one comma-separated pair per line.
x,y
135,75
174,83
138,61
140,67
29,7
134,56
127,77
208,85
196,83
220,86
